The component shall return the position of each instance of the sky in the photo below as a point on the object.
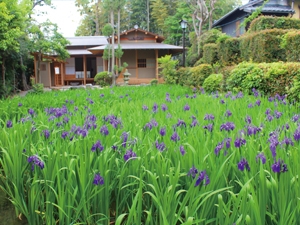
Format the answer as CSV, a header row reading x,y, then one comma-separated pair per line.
x,y
65,15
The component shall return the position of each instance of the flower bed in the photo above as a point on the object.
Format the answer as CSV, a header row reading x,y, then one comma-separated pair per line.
x,y
151,155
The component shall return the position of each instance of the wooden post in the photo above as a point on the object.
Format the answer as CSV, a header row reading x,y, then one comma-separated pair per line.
x,y
49,73
84,69
156,63
35,69
62,74
136,65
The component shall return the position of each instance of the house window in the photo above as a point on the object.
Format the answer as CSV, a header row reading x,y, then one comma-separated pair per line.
x,y
142,63
146,63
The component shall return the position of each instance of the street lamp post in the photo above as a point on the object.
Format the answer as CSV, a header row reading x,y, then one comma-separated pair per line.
x,y
183,24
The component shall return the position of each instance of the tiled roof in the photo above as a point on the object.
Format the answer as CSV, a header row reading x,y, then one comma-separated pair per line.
x,y
87,40
275,9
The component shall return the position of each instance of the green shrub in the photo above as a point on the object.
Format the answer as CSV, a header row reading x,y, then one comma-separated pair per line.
x,y
103,79
270,22
213,83
268,78
199,74
291,42
210,53
237,75
168,69
226,70
263,46
184,76
229,51
37,88
154,82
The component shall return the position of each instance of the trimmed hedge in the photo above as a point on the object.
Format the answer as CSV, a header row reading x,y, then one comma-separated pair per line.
x,y
268,78
184,76
213,83
263,46
269,22
210,53
199,74
291,43
229,51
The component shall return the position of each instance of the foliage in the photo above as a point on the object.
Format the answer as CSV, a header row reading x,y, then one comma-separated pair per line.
x,y
184,76
253,15
200,73
103,79
268,78
291,42
154,82
213,83
263,46
210,53
168,69
271,22
37,89
229,51
96,163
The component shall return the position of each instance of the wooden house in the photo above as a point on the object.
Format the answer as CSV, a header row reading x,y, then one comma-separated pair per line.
x,y
230,23
141,51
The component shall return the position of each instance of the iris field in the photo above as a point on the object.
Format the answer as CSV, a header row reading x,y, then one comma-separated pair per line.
x,y
151,155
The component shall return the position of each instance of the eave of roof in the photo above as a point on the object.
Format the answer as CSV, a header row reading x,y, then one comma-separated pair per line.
x,y
160,38
141,45
87,40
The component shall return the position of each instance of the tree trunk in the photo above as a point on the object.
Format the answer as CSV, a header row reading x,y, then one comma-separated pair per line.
x,y
24,82
3,71
119,24
38,76
97,31
113,49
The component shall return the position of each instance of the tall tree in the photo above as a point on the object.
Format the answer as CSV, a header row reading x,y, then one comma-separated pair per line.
x,y
45,39
10,31
159,13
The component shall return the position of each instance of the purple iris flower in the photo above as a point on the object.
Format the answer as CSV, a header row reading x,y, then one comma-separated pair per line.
x,y
9,124
271,99
219,147
97,146
168,99
279,166
186,107
227,142
155,108
202,177
66,119
124,138
144,107
104,130
277,114
34,160
162,131
295,118
193,172
64,134
222,101
160,146
239,142
169,115
31,111
194,123
297,134
129,154
252,130
180,123
240,95
255,92
262,157
248,119
287,141
98,179
270,118
228,113
228,94
243,164
164,107
46,133
208,127
181,149
20,104
257,102
268,111
83,132
209,117
228,126
250,105
202,90
273,139
175,137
